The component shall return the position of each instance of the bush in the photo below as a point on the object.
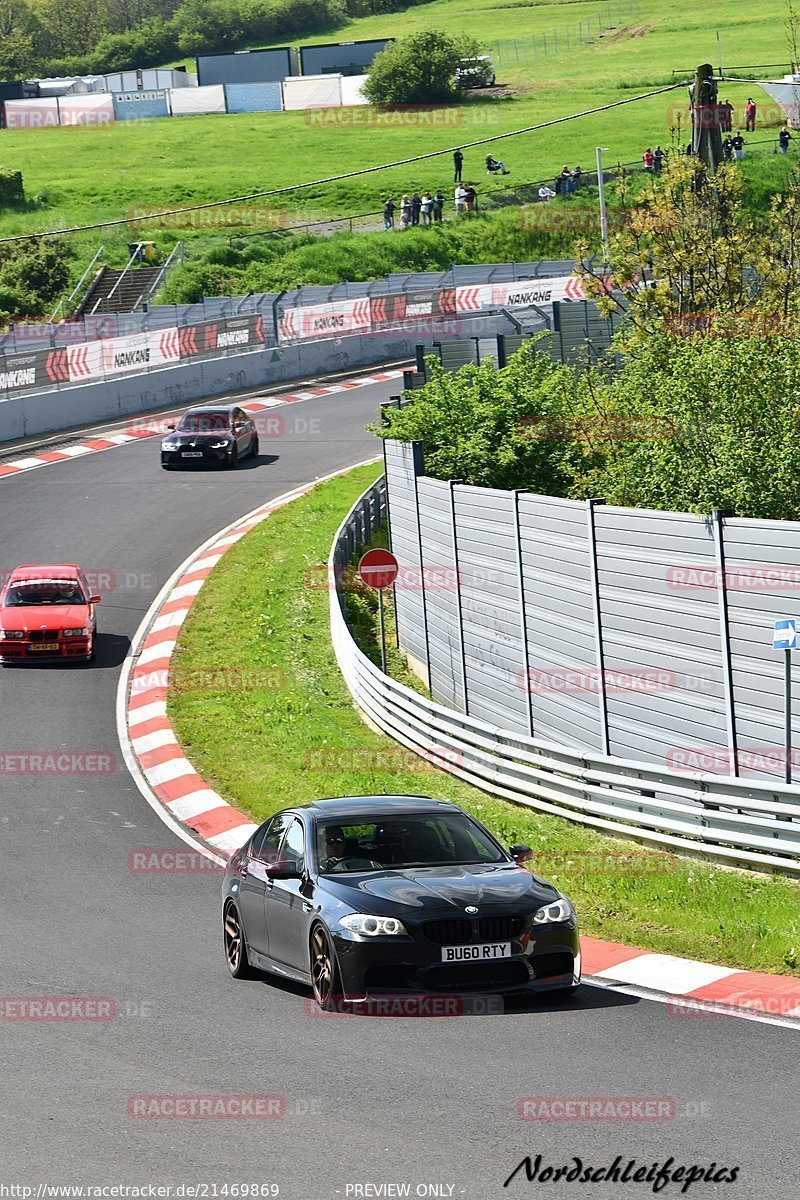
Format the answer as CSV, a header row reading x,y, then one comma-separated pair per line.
x,y
32,275
418,69
11,192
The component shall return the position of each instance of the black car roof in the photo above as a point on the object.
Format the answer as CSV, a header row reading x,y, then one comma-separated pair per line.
x,y
355,806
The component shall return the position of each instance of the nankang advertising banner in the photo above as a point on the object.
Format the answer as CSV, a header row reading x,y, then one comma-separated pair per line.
x,y
24,372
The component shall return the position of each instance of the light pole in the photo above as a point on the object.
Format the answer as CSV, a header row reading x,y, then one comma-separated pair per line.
x,y
603,215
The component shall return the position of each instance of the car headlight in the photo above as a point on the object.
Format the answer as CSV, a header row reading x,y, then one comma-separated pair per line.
x,y
77,632
372,926
12,633
223,445
559,910
169,446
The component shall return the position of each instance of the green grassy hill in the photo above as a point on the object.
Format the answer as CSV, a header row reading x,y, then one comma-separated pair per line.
x,y
77,175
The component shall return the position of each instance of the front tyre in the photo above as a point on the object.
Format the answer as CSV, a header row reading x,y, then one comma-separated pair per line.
x,y
325,978
235,948
233,461
254,446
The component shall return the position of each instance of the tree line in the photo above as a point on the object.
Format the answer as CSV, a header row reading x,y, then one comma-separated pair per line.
x,y
80,37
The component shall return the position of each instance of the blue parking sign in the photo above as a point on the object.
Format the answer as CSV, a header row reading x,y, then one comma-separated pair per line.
x,y
784,634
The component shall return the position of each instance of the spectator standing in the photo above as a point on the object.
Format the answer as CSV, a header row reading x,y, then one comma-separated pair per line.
x,y
784,137
416,208
388,214
649,159
458,159
738,145
405,211
576,176
566,179
438,205
460,199
658,159
750,116
727,148
471,199
726,116
427,209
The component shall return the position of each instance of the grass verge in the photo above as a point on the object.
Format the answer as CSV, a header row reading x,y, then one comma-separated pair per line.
x,y
266,749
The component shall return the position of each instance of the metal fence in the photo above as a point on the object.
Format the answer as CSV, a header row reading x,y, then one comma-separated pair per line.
x,y
741,823
634,633
512,52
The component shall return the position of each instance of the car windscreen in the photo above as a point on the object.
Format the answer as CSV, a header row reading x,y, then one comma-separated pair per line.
x,y
204,423
398,843
44,591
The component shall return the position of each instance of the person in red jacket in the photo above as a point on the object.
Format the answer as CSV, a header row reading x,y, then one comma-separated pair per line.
x,y
750,116
649,159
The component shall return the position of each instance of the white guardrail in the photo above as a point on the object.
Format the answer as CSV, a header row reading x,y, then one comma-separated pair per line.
x,y
740,823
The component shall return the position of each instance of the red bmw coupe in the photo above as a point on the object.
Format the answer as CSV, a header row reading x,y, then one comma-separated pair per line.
x,y
47,612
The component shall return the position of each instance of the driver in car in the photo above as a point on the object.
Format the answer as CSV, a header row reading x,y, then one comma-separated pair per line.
x,y
334,846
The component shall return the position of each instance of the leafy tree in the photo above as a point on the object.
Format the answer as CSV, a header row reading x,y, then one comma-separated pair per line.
x,y
503,429
418,69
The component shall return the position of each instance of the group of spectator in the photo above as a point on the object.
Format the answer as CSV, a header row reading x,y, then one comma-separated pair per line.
x,y
493,166
654,159
428,208
565,182
725,116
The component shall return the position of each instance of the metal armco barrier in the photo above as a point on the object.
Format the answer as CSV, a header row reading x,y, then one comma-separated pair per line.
x,y
739,823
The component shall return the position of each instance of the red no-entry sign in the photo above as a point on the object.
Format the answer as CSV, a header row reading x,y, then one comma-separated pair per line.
x,y
378,568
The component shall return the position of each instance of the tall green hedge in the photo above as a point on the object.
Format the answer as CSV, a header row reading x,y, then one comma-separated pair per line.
x,y
11,192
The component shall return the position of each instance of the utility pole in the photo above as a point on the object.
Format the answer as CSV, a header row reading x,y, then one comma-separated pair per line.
x,y
706,136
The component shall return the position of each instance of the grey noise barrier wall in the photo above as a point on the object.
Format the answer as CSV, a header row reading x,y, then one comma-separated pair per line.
x,y
518,586
83,404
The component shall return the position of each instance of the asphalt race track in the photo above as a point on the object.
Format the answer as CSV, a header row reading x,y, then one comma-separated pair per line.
x,y
427,1101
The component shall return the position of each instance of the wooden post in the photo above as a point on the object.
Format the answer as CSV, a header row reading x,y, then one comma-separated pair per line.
x,y
706,136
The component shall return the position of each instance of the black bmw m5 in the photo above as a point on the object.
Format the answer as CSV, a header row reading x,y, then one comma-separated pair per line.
x,y
375,895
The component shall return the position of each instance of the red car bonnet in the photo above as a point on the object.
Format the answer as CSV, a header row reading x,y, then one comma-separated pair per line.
x,y
46,616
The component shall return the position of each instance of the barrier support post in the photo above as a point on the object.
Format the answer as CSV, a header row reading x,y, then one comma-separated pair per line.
x,y
717,518
598,624
462,653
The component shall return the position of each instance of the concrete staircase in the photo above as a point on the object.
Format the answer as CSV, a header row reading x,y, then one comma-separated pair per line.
x,y
99,298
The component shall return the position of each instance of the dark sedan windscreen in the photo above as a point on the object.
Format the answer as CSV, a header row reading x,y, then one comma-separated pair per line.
x,y
204,423
400,842
24,595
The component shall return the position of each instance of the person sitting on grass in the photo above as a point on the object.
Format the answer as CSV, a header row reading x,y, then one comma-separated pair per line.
x,y
493,166
546,193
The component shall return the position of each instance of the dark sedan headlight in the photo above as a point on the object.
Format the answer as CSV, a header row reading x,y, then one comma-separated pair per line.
x,y
169,446
221,445
559,910
370,926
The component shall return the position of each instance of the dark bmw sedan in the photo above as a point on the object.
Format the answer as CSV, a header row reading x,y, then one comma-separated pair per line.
x,y
372,895
220,433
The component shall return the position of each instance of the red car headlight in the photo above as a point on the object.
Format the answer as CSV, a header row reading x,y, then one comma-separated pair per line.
x,y
77,632
12,633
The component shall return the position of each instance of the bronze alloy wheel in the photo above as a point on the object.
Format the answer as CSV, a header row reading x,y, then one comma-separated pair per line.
x,y
324,970
235,948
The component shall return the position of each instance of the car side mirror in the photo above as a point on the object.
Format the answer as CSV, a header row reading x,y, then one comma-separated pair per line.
x,y
94,599
170,427
520,854
283,869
